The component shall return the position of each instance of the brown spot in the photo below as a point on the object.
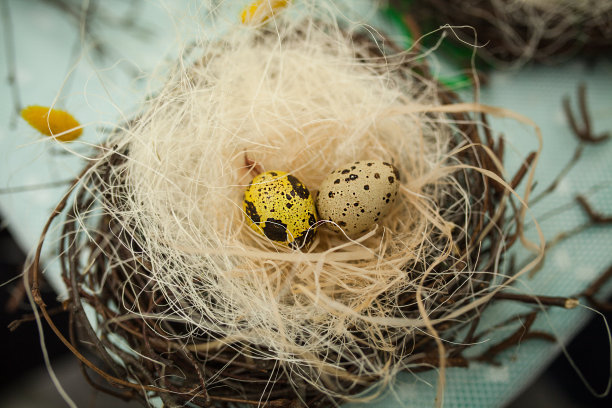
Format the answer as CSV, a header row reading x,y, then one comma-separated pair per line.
x,y
298,187
366,187
388,195
276,230
342,223
251,212
376,175
337,181
331,194
345,171
353,167
356,204
391,179
289,205
370,164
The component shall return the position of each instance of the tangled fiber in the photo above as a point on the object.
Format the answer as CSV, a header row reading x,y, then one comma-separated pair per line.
x,y
188,304
518,31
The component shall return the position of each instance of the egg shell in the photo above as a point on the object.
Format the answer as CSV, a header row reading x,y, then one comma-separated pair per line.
x,y
358,195
279,206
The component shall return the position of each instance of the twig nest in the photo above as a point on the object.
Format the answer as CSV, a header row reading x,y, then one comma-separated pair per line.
x,y
357,195
278,206
324,324
517,32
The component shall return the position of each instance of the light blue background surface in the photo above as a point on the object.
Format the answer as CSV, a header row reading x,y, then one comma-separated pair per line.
x,y
98,92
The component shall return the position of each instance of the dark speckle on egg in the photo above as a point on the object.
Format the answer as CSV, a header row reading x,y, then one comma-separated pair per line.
x,y
275,229
251,211
298,187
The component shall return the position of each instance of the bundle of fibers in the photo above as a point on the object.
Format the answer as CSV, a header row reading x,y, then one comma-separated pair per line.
x,y
518,31
179,300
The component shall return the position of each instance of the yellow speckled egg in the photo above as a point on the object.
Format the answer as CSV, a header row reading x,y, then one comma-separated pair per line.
x,y
280,207
358,195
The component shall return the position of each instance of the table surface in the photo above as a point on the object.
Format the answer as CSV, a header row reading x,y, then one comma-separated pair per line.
x,y
51,67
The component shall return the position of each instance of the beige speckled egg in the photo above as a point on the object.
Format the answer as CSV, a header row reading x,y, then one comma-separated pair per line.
x,y
358,195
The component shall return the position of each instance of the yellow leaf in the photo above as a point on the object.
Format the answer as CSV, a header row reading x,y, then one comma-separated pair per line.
x,y
52,122
260,11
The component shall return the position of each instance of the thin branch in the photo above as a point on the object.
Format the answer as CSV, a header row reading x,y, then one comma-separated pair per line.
x,y
11,65
595,217
585,134
35,187
562,174
564,302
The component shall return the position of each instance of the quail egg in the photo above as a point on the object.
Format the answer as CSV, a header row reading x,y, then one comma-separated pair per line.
x,y
279,206
358,195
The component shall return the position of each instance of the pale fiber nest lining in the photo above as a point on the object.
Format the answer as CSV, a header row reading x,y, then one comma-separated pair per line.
x,y
306,98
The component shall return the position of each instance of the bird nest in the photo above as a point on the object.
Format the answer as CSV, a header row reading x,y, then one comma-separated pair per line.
x,y
519,31
174,297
